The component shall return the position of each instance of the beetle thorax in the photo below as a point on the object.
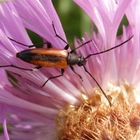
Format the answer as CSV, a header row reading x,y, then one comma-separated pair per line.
x,y
74,59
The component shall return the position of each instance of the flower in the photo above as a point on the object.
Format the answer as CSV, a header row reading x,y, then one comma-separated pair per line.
x,y
67,108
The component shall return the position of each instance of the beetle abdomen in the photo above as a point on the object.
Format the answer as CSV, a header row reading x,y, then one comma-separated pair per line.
x,y
45,57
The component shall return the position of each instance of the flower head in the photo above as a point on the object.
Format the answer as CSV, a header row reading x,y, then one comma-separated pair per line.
x,y
66,107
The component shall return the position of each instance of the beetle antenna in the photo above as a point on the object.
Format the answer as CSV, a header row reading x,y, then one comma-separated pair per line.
x,y
110,48
97,85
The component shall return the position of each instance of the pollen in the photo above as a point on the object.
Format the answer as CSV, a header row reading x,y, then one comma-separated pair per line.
x,y
93,119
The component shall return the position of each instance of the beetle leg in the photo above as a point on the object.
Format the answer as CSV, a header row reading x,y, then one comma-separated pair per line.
x,y
14,66
73,50
49,45
31,46
72,68
4,66
38,67
50,78
67,45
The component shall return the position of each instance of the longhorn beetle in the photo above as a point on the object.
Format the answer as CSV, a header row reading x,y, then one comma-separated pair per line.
x,y
58,58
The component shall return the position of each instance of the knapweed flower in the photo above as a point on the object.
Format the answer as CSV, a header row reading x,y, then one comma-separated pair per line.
x,y
67,108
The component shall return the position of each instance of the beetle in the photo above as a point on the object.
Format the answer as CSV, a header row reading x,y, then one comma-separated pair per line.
x,y
58,58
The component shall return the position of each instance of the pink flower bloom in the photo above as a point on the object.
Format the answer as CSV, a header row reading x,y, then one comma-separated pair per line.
x,y
29,112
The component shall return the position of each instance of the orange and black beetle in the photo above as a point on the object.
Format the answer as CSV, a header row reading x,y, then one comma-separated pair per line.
x,y
57,58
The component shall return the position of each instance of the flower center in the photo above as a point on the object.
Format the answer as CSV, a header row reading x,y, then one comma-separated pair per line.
x,y
95,120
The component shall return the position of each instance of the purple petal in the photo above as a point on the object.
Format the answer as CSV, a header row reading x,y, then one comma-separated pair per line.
x,y
38,17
